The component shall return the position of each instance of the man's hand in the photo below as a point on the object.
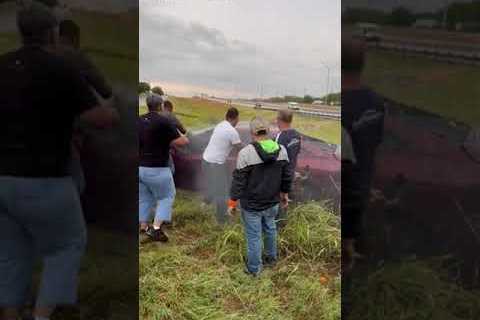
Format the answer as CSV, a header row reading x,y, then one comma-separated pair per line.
x,y
284,200
231,212
232,207
101,117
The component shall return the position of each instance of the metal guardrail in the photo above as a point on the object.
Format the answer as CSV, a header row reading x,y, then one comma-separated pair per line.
x,y
321,114
435,51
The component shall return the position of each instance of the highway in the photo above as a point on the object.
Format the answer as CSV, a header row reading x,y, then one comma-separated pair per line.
x,y
327,112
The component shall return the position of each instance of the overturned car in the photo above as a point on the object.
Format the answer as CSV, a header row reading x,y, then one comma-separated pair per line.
x,y
317,175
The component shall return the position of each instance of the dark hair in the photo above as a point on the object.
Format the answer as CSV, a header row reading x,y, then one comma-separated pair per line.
x,y
232,114
69,29
285,116
168,105
353,56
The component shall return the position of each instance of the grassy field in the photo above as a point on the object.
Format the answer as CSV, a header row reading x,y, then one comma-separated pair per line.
x,y
107,39
452,91
197,114
199,274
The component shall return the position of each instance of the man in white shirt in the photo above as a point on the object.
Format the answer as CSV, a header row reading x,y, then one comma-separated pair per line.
x,y
223,140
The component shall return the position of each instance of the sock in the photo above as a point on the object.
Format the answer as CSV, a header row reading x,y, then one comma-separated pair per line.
x,y
41,318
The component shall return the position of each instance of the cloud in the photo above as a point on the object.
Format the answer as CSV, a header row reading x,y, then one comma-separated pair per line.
x,y
179,47
172,50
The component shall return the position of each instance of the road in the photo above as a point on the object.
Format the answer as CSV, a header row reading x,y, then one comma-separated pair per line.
x,y
326,112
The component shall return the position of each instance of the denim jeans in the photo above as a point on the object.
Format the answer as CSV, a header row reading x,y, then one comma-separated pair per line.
x,y
40,218
156,192
258,224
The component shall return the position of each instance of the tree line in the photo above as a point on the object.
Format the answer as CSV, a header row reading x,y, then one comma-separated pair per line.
x,y
456,12
145,87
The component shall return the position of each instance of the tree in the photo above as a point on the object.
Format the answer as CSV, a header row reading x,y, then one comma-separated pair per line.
x,y
143,87
158,90
402,17
308,99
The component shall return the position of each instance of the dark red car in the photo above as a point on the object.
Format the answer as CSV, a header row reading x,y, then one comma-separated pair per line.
x,y
318,171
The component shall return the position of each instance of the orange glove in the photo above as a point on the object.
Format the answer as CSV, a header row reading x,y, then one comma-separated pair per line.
x,y
232,207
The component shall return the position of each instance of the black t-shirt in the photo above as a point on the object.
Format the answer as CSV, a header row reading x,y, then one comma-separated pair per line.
x,y
363,118
156,132
40,96
292,141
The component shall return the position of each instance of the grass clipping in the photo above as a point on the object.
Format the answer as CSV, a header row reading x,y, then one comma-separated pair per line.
x,y
199,274
413,290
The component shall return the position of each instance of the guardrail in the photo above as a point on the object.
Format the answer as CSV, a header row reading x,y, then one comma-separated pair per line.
x,y
434,50
321,114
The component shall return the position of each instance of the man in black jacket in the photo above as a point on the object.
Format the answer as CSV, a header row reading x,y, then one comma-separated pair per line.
x,y
262,179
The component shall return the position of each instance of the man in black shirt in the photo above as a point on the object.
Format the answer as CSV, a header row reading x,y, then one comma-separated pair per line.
x,y
40,213
156,186
362,118
292,141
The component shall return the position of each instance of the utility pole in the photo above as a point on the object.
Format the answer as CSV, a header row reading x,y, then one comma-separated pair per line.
x,y
328,81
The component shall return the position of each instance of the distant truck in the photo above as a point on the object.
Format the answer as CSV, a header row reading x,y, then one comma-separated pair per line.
x,y
293,106
369,32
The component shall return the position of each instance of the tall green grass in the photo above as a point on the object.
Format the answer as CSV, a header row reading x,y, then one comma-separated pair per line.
x,y
413,289
199,274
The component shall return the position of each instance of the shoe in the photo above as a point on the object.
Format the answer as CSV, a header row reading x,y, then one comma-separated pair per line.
x,y
269,262
156,235
253,274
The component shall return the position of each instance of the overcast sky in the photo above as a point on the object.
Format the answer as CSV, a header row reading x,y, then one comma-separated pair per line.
x,y
240,48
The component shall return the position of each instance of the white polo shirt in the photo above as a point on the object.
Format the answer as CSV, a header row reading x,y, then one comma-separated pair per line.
x,y
221,143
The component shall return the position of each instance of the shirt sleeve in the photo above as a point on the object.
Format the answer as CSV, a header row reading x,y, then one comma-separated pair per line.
x,y
81,96
171,132
235,137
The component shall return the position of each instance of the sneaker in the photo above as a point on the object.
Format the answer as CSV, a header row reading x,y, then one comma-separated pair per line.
x,y
255,275
269,262
156,235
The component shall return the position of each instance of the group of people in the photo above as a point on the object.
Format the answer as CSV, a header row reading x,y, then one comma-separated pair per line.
x,y
47,85
260,184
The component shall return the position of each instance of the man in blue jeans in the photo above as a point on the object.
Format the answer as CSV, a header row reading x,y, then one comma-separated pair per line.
x,y
261,181
156,187
40,212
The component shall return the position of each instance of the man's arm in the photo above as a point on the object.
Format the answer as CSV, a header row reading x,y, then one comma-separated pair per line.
x,y
240,178
101,117
181,141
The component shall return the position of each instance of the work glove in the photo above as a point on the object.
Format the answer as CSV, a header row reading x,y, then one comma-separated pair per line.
x,y
232,207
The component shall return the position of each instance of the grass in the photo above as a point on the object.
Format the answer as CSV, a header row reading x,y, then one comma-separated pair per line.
x,y
451,91
199,274
413,289
197,114
107,39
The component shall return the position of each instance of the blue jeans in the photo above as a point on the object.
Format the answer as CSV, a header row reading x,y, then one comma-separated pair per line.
x,y
40,217
156,191
256,224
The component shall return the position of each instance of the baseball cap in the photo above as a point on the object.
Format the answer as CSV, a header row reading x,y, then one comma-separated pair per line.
x,y
154,100
259,126
34,17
